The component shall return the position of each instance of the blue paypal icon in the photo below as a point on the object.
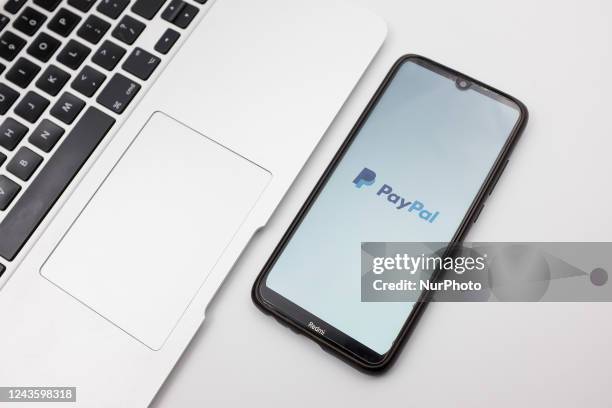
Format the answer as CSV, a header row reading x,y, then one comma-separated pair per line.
x,y
365,178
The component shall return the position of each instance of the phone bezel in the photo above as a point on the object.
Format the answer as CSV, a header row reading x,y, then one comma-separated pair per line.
x,y
339,343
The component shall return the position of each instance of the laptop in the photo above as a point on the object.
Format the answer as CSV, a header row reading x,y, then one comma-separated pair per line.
x,y
142,145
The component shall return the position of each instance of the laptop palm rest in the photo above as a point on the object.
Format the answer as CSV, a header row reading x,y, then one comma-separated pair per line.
x,y
138,269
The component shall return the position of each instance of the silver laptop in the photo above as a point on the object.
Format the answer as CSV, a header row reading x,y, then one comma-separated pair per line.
x,y
142,144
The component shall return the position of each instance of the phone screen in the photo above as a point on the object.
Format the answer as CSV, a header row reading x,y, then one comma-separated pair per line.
x,y
410,174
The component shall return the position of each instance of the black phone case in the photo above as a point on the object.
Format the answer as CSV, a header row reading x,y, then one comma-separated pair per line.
x,y
471,216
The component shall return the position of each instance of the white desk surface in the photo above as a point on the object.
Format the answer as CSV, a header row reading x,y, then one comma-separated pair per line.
x,y
556,56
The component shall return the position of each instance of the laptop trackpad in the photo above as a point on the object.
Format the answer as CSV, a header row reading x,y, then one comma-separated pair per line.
x,y
144,244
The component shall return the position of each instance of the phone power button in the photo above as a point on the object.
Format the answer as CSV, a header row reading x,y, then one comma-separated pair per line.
x,y
498,175
478,212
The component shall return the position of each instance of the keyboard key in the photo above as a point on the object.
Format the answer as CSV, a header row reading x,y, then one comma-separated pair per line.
x,y
10,45
11,133
186,16
88,81
173,10
83,5
108,55
22,72
2,158
43,47
2,269
13,6
48,5
24,164
8,191
118,93
64,22
180,13
52,80
67,108
93,29
8,96
201,1
147,8
128,30
73,54
46,135
112,8
167,41
52,180
2,68
141,63
4,20
31,107
29,21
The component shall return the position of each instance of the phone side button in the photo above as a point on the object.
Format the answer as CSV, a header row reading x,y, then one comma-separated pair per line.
x,y
289,326
478,213
498,176
327,349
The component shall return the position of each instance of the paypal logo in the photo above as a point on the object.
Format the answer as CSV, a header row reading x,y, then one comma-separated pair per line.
x,y
367,177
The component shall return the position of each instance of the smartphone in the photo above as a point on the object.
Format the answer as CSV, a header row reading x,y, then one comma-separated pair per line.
x,y
417,167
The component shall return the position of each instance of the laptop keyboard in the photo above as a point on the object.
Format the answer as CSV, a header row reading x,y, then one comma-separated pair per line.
x,y
68,70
